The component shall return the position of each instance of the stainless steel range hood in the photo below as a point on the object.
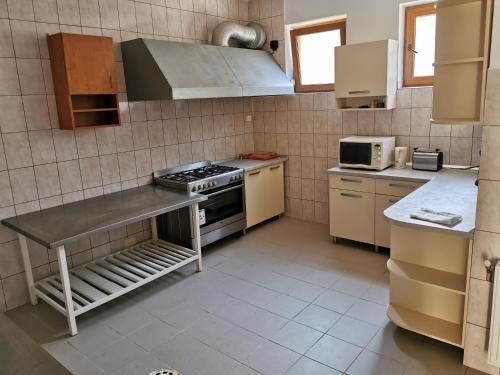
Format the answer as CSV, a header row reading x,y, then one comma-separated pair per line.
x,y
158,69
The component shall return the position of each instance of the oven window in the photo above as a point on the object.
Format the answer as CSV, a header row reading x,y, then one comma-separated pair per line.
x,y
356,153
222,206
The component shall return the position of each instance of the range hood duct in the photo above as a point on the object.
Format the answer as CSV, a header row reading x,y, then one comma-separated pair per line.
x,y
159,69
250,36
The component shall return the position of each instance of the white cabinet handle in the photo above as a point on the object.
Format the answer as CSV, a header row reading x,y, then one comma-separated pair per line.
x,y
402,186
254,173
350,180
351,195
275,167
359,92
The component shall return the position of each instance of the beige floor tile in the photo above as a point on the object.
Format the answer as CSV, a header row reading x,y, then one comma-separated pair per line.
x,y
334,353
353,331
369,363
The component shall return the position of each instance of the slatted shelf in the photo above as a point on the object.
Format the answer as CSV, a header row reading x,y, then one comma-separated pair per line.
x,y
107,278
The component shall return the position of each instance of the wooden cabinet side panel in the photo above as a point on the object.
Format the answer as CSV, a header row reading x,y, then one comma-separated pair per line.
x,y
90,64
60,81
382,225
254,190
276,194
441,251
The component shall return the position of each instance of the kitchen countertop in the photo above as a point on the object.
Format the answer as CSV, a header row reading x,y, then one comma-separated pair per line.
x,y
392,173
449,190
251,165
56,226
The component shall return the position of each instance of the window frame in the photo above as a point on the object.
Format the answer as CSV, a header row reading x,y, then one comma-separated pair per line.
x,y
411,14
306,30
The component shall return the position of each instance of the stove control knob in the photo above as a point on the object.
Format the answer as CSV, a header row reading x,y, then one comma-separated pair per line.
x,y
199,187
204,186
193,189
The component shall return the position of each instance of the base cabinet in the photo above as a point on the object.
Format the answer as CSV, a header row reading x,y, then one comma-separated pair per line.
x,y
352,215
264,194
382,226
357,206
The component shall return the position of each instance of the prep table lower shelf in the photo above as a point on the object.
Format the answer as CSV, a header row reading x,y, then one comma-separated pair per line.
x,y
107,278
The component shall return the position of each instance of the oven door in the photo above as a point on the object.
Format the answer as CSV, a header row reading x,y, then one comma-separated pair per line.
x,y
224,206
355,154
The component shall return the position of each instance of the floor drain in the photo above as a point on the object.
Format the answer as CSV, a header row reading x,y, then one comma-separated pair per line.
x,y
164,371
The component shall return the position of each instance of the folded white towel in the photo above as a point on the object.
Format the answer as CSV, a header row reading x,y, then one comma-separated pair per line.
x,y
444,218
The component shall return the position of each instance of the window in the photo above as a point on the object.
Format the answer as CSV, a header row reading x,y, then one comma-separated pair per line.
x,y
420,35
313,53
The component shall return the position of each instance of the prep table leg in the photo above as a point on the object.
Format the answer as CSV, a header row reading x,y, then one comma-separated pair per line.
x,y
195,221
27,269
154,228
68,299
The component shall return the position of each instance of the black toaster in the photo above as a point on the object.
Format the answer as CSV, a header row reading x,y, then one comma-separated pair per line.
x,y
427,159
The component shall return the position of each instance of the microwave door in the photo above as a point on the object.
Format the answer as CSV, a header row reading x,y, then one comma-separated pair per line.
x,y
353,153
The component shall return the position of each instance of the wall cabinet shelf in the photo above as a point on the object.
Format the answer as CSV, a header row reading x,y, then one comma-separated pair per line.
x,y
427,325
85,83
429,282
366,73
437,278
463,31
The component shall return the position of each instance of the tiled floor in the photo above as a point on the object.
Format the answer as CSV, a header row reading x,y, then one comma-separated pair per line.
x,y
281,300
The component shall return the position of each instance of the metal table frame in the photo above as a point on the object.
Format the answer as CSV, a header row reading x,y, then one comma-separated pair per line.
x,y
158,259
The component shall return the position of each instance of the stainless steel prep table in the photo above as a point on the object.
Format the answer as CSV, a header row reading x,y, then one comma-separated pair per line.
x,y
77,291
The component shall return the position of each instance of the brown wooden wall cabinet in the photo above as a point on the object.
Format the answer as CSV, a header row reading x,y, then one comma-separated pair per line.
x,y
84,74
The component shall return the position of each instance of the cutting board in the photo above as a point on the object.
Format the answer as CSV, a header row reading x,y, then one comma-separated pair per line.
x,y
259,155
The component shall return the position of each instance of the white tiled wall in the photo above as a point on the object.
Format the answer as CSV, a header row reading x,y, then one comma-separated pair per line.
x,y
487,235
308,127
42,166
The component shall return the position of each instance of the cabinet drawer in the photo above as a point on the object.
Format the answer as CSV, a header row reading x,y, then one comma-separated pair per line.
x,y
353,183
396,188
352,215
382,225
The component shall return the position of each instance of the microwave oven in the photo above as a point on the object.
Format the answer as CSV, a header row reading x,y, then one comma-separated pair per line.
x,y
375,153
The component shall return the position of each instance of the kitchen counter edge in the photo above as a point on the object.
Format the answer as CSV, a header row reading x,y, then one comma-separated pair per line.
x,y
251,165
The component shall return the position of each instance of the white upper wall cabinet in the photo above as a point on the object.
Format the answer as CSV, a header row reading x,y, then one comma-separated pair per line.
x,y
366,75
463,29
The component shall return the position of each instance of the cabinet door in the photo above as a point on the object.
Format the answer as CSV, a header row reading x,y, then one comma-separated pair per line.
x,y
382,225
352,215
275,197
255,189
90,64
361,70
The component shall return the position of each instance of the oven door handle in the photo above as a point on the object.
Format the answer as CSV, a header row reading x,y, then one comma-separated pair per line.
x,y
223,191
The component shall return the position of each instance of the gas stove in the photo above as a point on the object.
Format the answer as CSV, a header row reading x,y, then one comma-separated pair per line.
x,y
199,177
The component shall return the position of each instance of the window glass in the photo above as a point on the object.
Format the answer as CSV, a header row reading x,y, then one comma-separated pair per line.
x,y
317,57
425,41
313,54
